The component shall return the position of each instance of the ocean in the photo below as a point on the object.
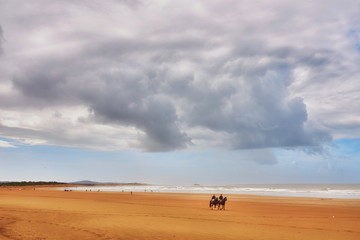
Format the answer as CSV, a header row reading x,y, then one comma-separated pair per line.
x,y
349,191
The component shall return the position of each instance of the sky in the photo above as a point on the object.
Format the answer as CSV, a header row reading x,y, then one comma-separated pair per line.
x,y
180,92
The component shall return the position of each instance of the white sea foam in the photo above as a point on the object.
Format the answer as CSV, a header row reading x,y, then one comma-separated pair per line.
x,y
297,190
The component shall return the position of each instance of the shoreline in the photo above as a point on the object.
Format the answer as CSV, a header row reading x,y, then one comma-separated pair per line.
x,y
341,191
100,188
54,214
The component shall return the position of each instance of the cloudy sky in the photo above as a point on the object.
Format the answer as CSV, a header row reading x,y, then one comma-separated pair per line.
x,y
209,92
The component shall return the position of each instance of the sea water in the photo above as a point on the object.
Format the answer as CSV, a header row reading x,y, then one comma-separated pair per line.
x,y
351,191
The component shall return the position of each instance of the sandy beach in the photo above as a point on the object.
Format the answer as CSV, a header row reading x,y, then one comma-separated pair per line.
x,y
49,214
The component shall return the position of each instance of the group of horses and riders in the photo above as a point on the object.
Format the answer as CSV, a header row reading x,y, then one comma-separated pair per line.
x,y
218,202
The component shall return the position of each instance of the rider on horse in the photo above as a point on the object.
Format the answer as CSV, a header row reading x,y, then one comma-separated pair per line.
x,y
221,197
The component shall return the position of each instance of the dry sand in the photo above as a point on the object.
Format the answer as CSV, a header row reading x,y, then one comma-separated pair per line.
x,y
44,214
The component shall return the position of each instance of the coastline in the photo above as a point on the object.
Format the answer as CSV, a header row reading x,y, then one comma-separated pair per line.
x,y
343,191
50,214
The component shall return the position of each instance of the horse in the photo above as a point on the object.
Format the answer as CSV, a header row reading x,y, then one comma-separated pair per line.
x,y
222,203
214,202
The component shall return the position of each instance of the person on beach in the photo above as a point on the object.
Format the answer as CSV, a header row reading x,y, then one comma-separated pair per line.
x,y
221,197
213,198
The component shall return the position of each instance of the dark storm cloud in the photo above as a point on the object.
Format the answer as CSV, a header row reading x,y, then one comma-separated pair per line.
x,y
206,67
155,115
127,95
257,111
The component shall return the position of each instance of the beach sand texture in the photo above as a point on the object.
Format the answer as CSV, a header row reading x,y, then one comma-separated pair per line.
x,y
42,214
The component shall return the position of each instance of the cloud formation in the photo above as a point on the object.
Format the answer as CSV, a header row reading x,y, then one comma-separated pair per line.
x,y
168,75
4,144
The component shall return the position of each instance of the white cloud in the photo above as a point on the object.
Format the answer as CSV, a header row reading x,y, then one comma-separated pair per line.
x,y
5,144
161,75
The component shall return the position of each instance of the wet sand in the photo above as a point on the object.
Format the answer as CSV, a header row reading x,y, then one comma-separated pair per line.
x,y
44,214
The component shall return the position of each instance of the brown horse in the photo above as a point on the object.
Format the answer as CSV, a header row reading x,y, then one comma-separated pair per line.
x,y
214,202
222,203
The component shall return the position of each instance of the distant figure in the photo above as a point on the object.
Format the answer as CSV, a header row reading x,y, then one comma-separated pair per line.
x,y
130,193
221,197
213,202
222,203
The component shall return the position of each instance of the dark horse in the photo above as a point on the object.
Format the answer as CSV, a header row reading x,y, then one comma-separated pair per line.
x,y
214,203
222,203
